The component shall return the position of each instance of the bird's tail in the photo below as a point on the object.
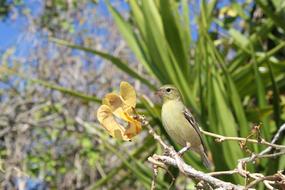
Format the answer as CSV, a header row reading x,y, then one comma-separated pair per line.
x,y
206,161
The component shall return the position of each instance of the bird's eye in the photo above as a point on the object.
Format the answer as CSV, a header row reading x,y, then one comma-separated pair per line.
x,y
168,90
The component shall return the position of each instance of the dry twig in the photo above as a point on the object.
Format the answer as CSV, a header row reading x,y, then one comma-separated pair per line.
x,y
221,138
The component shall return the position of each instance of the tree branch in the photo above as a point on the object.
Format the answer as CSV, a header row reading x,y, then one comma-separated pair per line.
x,y
172,158
229,172
278,177
221,138
274,140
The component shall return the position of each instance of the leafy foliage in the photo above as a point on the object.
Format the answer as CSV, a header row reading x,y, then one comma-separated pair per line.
x,y
224,74
231,75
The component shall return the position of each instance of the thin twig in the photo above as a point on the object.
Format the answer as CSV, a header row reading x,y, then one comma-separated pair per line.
x,y
229,172
221,138
271,155
157,164
155,172
274,139
253,157
272,178
158,138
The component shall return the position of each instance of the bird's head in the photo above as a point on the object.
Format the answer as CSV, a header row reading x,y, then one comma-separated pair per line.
x,y
168,92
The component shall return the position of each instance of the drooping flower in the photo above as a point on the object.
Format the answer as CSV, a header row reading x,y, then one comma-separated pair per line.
x,y
120,107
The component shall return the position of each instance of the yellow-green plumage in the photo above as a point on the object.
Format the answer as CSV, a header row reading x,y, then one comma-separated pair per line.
x,y
179,122
176,125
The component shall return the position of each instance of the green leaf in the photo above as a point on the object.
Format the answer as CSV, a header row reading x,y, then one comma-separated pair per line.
x,y
276,99
277,17
53,86
239,38
116,61
261,96
132,40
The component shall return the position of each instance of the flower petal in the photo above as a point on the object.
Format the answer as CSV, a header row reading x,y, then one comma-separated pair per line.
x,y
106,118
122,106
134,127
128,94
114,101
116,104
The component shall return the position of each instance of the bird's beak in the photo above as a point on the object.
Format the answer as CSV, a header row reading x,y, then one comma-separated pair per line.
x,y
159,93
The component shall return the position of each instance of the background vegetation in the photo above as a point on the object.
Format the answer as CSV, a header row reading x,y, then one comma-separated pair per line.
x,y
227,58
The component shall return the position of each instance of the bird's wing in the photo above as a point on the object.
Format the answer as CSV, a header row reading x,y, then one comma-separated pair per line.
x,y
188,115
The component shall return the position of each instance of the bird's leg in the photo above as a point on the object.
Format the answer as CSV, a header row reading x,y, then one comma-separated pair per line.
x,y
184,149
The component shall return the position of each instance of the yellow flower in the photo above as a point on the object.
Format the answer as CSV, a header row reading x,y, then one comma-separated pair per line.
x,y
120,107
227,11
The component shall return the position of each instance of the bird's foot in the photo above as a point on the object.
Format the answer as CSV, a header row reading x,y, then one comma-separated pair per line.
x,y
184,149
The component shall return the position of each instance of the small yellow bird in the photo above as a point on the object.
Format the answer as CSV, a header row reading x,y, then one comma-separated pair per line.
x,y
180,124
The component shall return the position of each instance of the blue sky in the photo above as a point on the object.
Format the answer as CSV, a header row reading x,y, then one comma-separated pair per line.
x,y
9,33
11,29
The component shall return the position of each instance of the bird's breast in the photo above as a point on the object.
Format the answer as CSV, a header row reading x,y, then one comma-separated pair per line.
x,y
176,125
173,120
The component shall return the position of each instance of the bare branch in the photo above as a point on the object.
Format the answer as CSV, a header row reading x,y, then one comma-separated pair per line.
x,y
207,179
263,154
158,138
191,172
155,172
270,155
229,172
274,140
221,138
278,177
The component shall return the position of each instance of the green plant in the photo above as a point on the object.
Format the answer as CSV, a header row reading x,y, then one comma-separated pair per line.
x,y
230,77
